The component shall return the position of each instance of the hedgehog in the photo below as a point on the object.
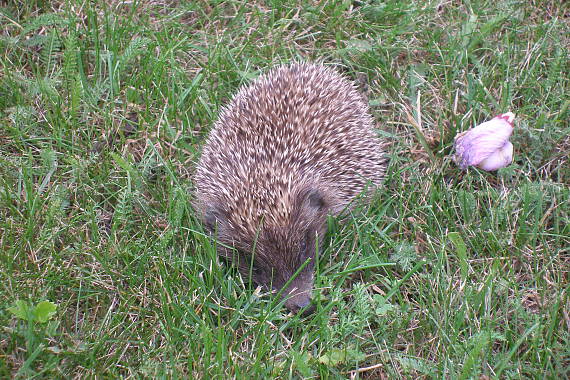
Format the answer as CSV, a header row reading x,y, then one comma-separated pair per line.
x,y
296,145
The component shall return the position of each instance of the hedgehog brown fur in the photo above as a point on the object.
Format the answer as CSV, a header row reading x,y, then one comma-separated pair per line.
x,y
292,147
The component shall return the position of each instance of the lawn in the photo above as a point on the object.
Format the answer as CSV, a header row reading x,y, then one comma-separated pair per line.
x,y
453,274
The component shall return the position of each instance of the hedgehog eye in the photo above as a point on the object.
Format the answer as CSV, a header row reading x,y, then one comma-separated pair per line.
x,y
303,247
212,217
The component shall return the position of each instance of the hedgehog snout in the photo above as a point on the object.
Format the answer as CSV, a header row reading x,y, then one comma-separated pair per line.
x,y
300,302
299,293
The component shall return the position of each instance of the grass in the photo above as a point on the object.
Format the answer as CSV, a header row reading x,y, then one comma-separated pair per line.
x,y
448,274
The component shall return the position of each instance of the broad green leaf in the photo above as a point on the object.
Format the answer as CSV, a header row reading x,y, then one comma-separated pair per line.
x,y
301,360
338,356
382,306
333,357
21,309
44,311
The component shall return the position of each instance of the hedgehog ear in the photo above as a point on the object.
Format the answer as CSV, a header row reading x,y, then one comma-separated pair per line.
x,y
213,217
316,200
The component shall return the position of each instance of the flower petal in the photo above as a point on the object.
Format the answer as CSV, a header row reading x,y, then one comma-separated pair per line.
x,y
477,144
499,159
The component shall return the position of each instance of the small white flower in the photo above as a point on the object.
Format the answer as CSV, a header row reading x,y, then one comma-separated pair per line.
x,y
486,146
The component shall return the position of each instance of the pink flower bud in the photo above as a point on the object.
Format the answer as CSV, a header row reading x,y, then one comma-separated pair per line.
x,y
487,145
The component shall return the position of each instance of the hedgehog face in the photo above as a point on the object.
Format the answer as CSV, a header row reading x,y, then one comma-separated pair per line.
x,y
286,257
277,254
